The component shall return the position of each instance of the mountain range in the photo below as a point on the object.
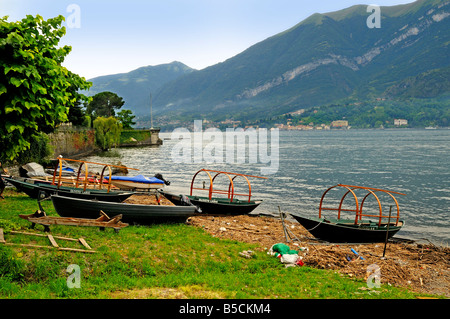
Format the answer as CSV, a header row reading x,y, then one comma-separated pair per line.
x,y
135,87
326,58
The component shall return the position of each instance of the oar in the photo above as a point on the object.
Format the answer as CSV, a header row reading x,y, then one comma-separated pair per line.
x,y
387,232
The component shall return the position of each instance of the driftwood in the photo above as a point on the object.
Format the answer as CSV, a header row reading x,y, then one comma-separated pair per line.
x,y
52,240
248,230
39,217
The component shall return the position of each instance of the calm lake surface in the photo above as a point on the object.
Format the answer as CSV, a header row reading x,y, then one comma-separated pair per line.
x,y
414,162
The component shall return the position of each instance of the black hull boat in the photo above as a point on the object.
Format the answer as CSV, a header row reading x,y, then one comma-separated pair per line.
x,y
214,206
131,213
346,231
36,188
364,227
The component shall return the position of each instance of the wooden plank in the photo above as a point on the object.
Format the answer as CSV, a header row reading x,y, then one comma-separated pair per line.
x,y
2,238
84,243
65,238
53,241
100,222
103,217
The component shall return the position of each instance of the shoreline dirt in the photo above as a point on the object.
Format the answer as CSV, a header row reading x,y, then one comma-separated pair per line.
x,y
422,268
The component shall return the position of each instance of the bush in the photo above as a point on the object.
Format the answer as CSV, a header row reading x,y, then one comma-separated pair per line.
x,y
107,132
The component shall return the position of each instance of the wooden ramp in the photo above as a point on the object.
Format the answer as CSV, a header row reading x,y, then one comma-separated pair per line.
x,y
104,221
52,240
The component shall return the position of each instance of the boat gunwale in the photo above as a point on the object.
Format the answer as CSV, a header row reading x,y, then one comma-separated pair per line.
x,y
217,200
351,225
50,187
116,203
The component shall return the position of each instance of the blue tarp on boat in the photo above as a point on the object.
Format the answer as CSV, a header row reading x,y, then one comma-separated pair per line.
x,y
138,179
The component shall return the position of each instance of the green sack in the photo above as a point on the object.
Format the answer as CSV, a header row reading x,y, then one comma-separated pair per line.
x,y
283,249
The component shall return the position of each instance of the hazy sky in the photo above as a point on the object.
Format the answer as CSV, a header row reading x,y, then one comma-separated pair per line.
x,y
119,36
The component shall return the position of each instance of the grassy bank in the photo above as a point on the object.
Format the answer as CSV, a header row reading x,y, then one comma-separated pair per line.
x,y
134,136
160,261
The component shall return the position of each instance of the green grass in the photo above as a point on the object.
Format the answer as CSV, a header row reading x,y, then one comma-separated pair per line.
x,y
126,136
160,261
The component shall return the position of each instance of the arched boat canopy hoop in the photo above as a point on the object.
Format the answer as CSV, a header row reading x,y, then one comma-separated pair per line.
x,y
109,179
230,192
359,207
85,180
249,186
230,186
78,175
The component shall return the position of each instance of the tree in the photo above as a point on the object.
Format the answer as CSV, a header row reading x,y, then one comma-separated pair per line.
x,y
36,92
76,115
104,104
126,118
107,132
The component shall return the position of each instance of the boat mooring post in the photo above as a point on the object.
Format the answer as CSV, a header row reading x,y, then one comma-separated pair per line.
x,y
387,231
284,226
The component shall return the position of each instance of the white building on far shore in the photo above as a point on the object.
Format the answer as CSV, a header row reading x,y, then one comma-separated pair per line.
x,y
399,122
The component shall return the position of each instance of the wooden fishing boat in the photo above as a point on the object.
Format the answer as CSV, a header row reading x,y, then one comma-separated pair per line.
x,y
346,231
214,205
354,230
139,182
131,213
210,205
84,186
35,189
86,180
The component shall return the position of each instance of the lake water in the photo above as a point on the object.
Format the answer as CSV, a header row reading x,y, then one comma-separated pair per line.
x,y
414,162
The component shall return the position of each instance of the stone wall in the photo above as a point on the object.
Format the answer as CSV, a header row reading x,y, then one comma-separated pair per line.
x,y
72,142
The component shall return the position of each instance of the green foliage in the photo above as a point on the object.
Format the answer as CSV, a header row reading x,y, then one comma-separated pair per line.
x,y
107,132
87,122
36,92
130,136
40,149
10,266
126,118
425,85
77,115
373,114
8,225
104,104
